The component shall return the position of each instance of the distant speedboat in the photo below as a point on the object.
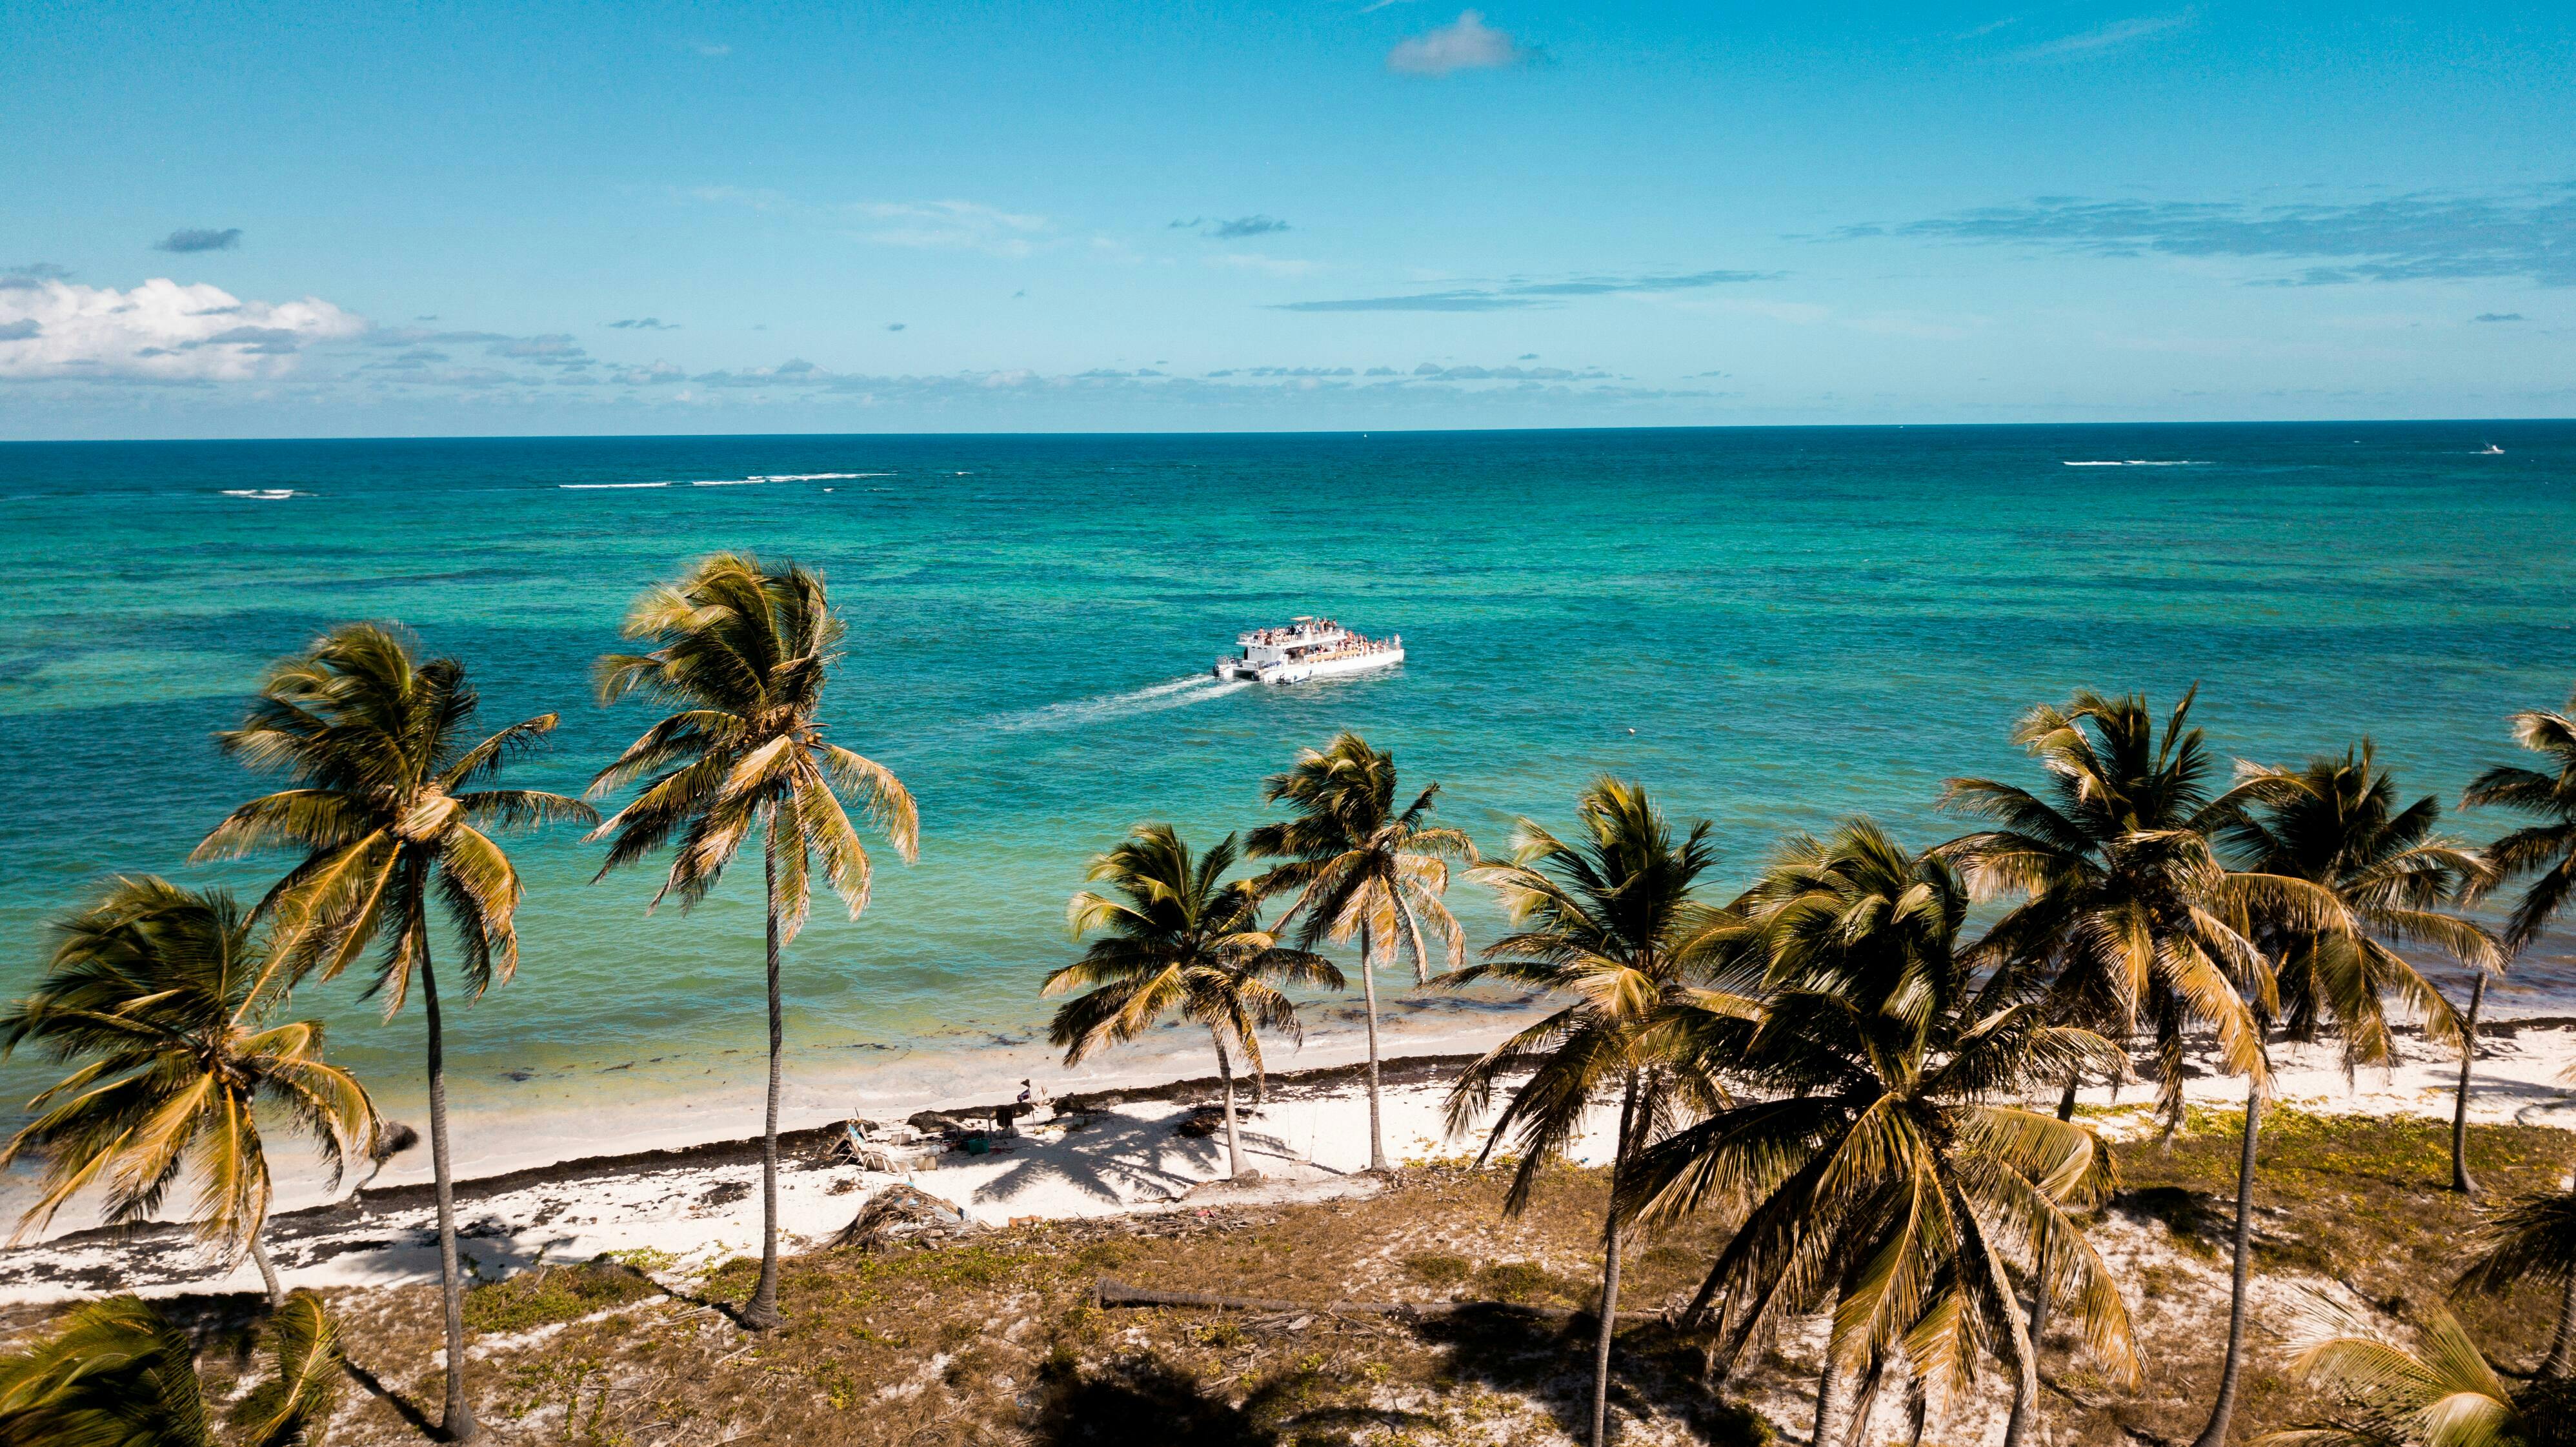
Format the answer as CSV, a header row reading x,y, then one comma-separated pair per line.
x,y
261,494
2491,450
1308,648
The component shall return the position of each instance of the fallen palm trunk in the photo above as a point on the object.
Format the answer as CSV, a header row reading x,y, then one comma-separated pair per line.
x,y
1110,1292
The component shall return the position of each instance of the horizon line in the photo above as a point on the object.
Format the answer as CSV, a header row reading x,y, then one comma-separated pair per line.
x,y
1314,432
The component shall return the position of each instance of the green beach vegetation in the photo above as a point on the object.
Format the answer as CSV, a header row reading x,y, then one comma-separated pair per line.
x,y
1826,1096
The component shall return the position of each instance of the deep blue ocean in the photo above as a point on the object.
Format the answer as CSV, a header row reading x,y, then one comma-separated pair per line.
x,y
1771,628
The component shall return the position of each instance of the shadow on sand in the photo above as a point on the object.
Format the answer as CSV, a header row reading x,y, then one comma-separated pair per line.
x,y
1120,1160
1142,1399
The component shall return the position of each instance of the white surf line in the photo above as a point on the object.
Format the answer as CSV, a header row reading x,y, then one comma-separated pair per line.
x,y
605,486
1154,698
2139,462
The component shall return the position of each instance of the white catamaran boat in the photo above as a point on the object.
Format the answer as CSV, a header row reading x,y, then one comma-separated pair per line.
x,y
1308,648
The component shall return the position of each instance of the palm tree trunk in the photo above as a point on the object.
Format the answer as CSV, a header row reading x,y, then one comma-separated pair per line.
x,y
2215,1434
267,1271
762,1313
2023,1399
456,1420
1828,1401
2026,1394
1368,988
2460,1179
2562,1347
1610,1267
1225,1072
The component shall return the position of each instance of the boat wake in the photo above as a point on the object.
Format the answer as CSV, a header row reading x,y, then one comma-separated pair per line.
x,y
1076,713
2142,462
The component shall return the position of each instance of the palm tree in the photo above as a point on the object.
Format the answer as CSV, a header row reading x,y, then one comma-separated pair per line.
x,y
741,653
386,811
2546,850
1180,940
2336,823
2549,847
1360,867
1883,1169
2533,1240
119,1372
2125,909
1610,920
2441,1393
154,990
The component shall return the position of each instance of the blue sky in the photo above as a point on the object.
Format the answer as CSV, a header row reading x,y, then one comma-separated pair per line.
x,y
285,220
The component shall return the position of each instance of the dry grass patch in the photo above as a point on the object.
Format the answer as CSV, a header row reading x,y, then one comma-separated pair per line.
x,y
996,1340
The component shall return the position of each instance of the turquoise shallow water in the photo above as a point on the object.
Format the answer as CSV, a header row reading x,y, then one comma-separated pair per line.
x,y
1770,627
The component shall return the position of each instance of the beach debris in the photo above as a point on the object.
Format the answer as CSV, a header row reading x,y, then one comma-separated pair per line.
x,y
723,1193
935,1122
392,1140
1202,1122
901,1215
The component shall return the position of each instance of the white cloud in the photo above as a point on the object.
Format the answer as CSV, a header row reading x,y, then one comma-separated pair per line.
x,y
1266,265
1466,43
2119,32
755,198
950,225
157,332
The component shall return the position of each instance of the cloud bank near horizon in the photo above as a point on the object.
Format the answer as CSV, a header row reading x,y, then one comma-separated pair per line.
x,y
2527,233
159,333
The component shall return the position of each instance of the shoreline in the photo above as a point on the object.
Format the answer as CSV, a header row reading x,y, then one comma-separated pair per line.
x,y
690,1207
822,1086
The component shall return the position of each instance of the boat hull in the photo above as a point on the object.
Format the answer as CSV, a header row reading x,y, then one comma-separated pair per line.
x,y
1303,672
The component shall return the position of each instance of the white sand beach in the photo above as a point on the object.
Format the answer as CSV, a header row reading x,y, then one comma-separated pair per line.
x,y
699,1202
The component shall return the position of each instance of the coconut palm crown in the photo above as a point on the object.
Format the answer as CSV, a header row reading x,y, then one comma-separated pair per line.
x,y
2125,908
2545,849
154,990
2438,1391
2335,824
386,811
2533,1240
742,659
1357,864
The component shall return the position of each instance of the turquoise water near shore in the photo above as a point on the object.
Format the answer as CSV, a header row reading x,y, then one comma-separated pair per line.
x,y
1770,627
